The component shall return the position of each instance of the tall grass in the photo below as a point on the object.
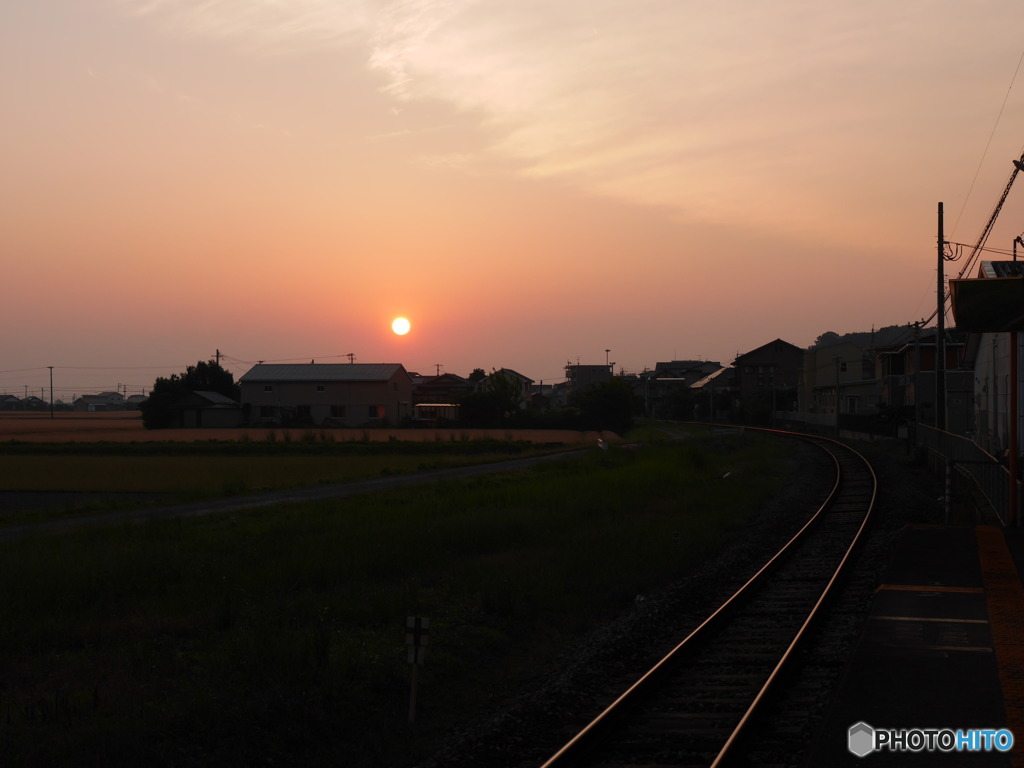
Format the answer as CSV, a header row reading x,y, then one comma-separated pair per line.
x,y
278,634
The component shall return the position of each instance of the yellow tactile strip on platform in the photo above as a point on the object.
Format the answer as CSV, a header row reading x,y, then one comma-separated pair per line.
x,y
1004,595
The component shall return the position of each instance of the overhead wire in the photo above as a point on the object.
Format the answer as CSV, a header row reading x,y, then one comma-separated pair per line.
x,y
988,144
980,245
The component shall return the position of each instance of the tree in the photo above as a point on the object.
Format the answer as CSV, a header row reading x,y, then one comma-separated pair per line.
x,y
610,405
496,402
826,339
159,412
478,374
506,390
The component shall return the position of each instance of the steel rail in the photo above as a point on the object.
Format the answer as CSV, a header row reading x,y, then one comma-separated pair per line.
x,y
739,730
573,751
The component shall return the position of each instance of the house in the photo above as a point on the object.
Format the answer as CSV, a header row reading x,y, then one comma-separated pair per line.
x,y
991,307
104,401
444,388
522,385
435,399
206,409
838,378
133,402
658,388
11,403
767,378
919,394
689,371
332,394
715,393
580,378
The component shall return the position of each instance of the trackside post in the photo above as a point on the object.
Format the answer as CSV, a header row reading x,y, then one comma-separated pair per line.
x,y
416,636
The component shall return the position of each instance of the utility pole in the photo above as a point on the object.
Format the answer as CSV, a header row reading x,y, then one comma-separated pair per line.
x,y
917,374
940,335
218,357
51,390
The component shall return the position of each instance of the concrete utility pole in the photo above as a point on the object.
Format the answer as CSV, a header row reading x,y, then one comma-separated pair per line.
x,y
940,335
51,390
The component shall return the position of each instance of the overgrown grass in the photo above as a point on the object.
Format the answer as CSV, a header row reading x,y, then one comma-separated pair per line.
x,y
211,475
279,634
117,475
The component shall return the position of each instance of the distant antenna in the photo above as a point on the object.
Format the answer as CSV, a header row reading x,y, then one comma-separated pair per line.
x,y
437,368
351,357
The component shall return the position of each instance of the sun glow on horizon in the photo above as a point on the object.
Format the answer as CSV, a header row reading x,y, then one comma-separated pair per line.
x,y
400,326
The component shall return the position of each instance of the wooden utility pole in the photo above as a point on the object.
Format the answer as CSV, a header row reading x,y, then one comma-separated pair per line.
x,y
1014,454
940,335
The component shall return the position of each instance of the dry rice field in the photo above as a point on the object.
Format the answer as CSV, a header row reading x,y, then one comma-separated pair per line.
x,y
126,426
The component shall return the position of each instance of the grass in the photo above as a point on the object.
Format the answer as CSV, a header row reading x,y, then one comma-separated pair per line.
x,y
108,474
278,634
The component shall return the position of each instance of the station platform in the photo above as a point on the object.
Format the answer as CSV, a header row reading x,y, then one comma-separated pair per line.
x,y
942,648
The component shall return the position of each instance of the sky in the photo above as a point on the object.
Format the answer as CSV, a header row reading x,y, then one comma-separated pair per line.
x,y
530,183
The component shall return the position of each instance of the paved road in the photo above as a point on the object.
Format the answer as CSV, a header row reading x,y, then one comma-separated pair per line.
x,y
313,493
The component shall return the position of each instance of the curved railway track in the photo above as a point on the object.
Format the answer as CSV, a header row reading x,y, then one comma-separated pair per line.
x,y
698,705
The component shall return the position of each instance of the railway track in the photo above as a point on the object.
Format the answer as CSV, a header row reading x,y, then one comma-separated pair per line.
x,y
698,706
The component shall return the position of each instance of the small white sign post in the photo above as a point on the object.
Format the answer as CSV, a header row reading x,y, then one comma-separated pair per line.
x,y
416,635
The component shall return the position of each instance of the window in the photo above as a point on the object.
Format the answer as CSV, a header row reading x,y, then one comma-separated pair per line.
x,y
376,411
267,411
338,411
303,412
268,387
321,388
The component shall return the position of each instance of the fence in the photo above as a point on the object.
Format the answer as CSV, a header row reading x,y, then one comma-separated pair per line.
x,y
991,478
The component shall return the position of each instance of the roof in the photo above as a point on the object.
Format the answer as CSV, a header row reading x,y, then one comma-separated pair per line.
x,y
710,379
277,372
216,398
1001,269
992,303
772,348
515,374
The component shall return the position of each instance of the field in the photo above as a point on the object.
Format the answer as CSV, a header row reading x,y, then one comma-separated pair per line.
x,y
88,461
276,636
127,427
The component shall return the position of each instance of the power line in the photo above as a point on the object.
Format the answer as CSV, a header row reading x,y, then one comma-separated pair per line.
x,y
988,144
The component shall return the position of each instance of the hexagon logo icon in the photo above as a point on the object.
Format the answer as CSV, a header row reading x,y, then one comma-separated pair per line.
x,y
861,739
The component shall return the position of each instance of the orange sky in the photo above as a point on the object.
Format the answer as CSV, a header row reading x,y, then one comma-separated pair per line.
x,y
531,183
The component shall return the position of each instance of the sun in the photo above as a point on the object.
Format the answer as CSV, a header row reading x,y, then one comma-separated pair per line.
x,y
400,326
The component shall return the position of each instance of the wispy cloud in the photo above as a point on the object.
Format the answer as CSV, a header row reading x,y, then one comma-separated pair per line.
x,y
653,102
268,26
671,103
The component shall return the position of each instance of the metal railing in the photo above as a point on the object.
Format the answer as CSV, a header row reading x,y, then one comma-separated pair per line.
x,y
991,478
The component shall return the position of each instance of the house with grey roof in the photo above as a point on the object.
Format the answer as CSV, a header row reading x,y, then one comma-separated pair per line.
x,y
11,403
327,394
